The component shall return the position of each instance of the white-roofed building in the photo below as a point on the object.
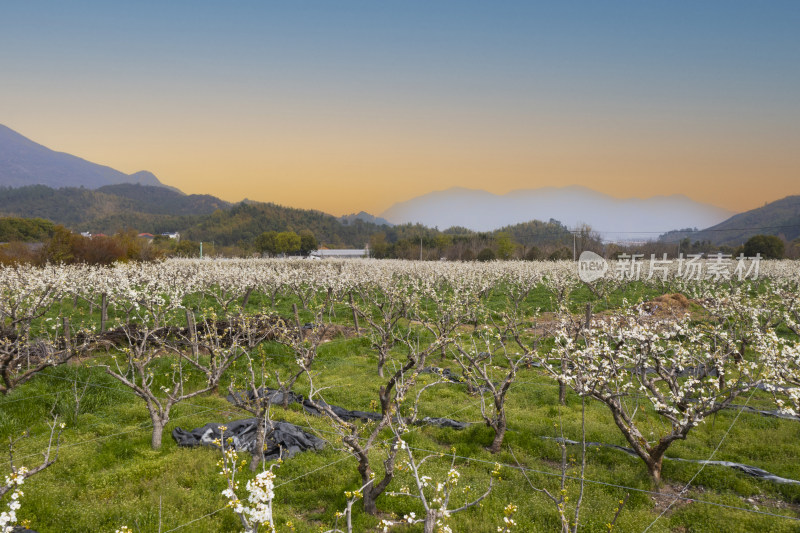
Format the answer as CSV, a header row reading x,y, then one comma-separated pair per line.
x,y
325,253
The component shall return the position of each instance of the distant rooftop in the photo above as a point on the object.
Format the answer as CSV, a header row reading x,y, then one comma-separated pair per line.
x,y
346,253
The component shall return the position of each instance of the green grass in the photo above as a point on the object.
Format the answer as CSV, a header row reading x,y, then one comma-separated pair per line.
x,y
107,475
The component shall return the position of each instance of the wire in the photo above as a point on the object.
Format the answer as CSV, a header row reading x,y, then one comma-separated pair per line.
x,y
592,481
212,513
710,457
698,230
449,415
312,471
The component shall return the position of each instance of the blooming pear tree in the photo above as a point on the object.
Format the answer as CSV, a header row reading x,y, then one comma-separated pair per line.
x,y
143,365
19,474
382,307
686,373
362,441
435,497
478,358
29,341
256,510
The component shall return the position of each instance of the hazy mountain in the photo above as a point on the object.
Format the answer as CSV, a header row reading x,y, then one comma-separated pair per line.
x,y
614,218
363,216
781,217
24,162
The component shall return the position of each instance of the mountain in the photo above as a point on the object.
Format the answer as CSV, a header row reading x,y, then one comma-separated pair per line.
x,y
781,217
24,162
363,216
613,218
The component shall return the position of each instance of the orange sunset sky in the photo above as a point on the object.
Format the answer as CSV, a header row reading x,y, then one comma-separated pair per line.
x,y
358,106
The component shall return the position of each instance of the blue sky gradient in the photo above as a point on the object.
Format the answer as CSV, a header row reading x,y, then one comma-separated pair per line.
x,y
368,103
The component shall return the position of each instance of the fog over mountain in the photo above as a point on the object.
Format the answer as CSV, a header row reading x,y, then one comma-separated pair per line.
x,y
24,162
614,218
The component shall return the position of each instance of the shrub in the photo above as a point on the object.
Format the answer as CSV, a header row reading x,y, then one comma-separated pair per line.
x,y
487,254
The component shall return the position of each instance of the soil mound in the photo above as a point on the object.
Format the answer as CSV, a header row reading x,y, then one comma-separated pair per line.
x,y
668,305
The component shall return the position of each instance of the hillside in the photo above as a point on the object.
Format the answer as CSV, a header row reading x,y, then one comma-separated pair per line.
x,y
245,221
112,208
157,200
24,162
151,209
781,217
108,209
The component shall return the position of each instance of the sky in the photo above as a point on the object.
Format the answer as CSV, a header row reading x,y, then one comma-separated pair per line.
x,y
355,105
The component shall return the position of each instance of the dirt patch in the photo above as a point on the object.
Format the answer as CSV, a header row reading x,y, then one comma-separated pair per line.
x,y
672,493
673,305
666,307
760,501
332,331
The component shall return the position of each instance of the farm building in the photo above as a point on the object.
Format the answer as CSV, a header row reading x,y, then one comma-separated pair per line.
x,y
325,253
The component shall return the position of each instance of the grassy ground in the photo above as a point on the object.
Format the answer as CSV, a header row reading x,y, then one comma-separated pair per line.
x,y
107,475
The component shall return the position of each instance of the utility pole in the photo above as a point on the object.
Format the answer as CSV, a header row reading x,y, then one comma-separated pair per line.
x,y
201,249
420,247
574,249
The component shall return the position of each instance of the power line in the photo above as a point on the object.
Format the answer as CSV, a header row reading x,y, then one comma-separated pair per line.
x,y
701,230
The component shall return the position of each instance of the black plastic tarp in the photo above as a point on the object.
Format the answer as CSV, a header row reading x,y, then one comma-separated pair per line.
x,y
316,408
282,440
747,469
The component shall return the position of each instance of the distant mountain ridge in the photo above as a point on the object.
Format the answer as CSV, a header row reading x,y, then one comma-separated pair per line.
x,y
480,210
781,217
24,162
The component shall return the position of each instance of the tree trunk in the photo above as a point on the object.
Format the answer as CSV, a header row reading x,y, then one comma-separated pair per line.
x,y
67,336
652,459
103,312
158,431
562,387
370,497
287,387
296,319
370,507
381,362
430,520
355,316
190,324
258,452
246,298
499,434
654,468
